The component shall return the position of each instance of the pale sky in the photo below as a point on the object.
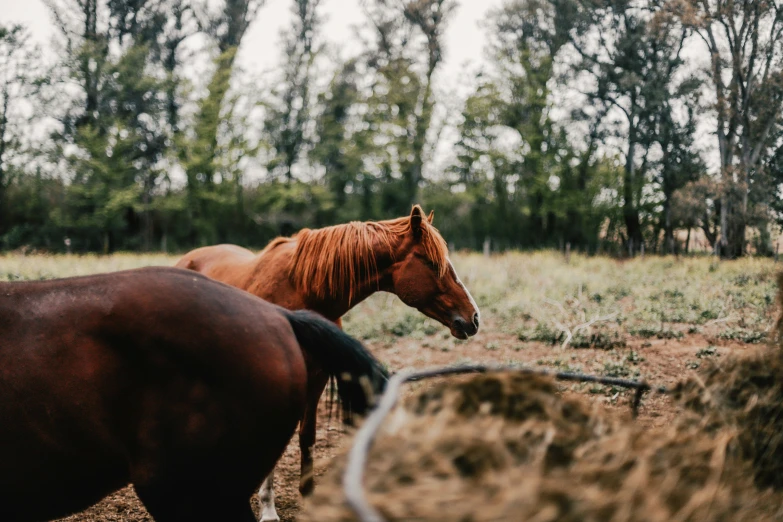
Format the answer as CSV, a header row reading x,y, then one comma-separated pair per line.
x,y
260,52
260,49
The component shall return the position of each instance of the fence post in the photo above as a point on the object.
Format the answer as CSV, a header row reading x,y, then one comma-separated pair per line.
x,y
630,247
568,252
486,246
641,250
777,244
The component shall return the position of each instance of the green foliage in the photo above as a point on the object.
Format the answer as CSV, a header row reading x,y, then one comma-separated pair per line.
x,y
20,82
287,119
141,159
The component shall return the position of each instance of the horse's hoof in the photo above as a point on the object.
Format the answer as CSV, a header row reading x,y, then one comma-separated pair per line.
x,y
306,487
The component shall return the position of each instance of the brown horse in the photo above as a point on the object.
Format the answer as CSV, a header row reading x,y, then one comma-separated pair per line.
x,y
183,386
330,271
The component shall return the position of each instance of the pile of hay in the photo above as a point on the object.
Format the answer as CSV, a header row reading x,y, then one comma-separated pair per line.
x,y
744,395
509,447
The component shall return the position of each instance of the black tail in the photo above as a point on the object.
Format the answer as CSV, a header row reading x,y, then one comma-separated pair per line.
x,y
357,372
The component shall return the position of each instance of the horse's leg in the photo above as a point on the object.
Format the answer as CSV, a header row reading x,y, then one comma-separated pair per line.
x,y
172,504
315,387
267,497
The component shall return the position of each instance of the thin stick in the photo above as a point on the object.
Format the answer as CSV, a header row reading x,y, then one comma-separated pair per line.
x,y
588,324
357,456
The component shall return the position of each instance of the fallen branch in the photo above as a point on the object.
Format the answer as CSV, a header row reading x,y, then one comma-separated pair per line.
x,y
582,326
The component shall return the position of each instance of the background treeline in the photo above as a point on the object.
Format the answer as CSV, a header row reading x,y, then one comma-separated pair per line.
x,y
610,125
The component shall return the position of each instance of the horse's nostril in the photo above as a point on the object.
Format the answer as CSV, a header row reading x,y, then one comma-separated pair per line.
x,y
476,319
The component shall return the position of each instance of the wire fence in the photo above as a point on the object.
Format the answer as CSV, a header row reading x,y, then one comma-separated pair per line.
x,y
359,452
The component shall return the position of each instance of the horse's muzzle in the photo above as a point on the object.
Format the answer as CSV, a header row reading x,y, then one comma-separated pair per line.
x,y
464,329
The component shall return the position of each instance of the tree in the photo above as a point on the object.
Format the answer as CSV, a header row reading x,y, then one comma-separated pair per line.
x,y
485,170
744,43
179,26
198,150
402,102
288,115
694,205
530,186
679,163
18,84
632,58
120,108
525,38
341,143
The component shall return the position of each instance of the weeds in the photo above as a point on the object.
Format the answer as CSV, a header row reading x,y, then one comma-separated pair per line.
x,y
591,302
743,335
709,351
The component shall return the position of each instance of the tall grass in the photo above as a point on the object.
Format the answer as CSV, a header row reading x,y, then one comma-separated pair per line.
x,y
539,297
17,267
600,301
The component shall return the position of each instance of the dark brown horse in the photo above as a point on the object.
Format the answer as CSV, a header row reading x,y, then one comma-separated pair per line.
x,y
188,388
331,270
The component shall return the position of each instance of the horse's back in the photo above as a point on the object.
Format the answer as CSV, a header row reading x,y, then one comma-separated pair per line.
x,y
125,377
227,263
200,256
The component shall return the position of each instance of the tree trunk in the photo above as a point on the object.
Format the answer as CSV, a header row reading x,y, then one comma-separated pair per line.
x,y
237,15
3,129
423,121
668,227
630,212
90,65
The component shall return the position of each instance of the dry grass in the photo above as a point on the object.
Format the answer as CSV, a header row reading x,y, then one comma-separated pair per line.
x,y
454,453
509,447
589,302
17,267
600,302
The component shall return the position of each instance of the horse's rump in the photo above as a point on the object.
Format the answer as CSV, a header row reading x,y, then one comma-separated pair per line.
x,y
145,376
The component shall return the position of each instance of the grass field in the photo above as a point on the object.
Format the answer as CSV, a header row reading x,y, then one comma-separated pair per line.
x,y
539,297
655,319
536,308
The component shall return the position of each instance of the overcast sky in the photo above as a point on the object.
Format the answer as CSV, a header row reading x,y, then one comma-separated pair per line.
x,y
260,49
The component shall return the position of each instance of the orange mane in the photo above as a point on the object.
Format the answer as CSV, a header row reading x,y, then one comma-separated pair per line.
x,y
328,262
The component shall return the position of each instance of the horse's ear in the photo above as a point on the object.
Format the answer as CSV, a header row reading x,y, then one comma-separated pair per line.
x,y
432,215
416,217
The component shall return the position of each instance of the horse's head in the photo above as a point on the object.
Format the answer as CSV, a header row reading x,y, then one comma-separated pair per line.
x,y
424,278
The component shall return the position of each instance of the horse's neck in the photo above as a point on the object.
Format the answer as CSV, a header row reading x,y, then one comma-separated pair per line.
x,y
268,277
369,283
271,281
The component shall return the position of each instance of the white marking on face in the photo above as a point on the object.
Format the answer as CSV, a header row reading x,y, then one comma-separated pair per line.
x,y
451,267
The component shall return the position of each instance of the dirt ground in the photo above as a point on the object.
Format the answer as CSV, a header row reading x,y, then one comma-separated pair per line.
x,y
659,361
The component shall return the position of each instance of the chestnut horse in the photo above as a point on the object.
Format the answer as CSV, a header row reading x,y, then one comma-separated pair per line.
x,y
188,388
331,270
